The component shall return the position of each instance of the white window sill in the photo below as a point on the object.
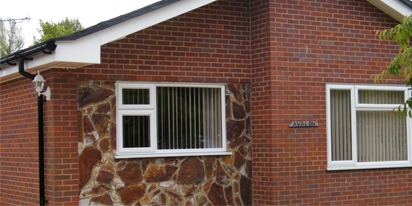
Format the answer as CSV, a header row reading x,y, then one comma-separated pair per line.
x,y
368,166
149,155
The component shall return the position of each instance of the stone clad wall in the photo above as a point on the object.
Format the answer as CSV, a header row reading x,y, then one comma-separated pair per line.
x,y
216,180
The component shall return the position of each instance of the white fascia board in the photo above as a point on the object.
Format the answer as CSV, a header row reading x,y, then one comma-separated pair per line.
x,y
83,50
149,19
41,59
87,49
393,8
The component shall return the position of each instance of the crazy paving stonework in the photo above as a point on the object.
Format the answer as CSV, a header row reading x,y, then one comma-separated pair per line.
x,y
211,180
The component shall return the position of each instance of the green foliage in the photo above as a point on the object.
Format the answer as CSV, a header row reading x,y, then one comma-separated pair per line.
x,y
400,66
50,30
11,39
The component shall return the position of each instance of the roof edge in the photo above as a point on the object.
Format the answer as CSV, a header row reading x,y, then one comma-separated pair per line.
x,y
84,47
117,20
397,9
407,3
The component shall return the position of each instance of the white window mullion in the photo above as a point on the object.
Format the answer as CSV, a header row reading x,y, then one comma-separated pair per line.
x,y
354,126
153,121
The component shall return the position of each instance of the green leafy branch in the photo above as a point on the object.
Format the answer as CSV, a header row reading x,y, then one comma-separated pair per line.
x,y
401,65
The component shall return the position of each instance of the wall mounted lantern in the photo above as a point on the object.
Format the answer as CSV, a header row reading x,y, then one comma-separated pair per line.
x,y
38,82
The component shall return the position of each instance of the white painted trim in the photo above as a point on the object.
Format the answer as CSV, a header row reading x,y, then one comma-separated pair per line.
x,y
223,111
119,131
147,20
150,110
86,50
393,8
377,107
147,155
330,87
379,165
353,92
121,86
355,106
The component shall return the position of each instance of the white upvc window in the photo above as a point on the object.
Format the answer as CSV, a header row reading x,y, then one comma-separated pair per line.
x,y
364,130
164,120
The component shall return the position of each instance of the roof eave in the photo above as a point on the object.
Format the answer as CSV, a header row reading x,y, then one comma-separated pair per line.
x,y
85,50
397,9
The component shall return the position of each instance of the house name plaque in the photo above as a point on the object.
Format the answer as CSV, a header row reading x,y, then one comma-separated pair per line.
x,y
300,124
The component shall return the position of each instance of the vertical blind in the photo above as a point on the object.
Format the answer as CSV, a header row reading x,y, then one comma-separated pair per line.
x,y
136,131
188,118
135,96
381,136
341,125
380,97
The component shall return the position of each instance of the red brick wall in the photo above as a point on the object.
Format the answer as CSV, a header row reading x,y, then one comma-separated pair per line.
x,y
211,44
289,50
19,173
62,178
312,43
262,115
18,143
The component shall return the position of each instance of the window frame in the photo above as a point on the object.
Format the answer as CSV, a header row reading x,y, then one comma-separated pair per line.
x,y
356,106
150,110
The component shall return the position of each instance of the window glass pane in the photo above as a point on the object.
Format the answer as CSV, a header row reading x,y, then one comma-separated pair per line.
x,y
136,96
136,131
381,97
189,118
341,125
381,136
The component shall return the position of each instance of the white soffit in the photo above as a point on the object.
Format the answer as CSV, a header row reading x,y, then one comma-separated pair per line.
x,y
393,8
86,50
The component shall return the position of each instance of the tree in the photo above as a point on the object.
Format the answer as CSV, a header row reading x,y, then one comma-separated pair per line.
x,y
11,39
401,66
50,30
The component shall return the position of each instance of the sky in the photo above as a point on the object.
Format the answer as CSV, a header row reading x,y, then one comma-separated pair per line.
x,y
89,12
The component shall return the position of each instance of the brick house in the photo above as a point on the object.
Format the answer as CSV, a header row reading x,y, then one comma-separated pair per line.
x,y
165,105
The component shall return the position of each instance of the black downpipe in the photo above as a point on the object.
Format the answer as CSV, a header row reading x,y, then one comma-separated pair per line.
x,y
22,72
42,194
40,101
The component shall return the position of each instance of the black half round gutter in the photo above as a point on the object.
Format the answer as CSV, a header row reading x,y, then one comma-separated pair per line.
x,y
27,54
20,58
